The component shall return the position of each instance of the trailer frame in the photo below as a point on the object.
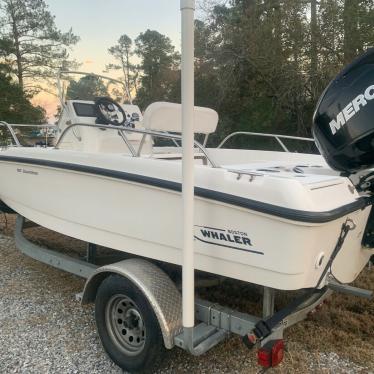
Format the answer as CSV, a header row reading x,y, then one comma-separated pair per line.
x,y
214,322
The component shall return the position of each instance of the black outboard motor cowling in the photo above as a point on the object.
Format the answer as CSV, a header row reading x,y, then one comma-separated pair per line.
x,y
343,123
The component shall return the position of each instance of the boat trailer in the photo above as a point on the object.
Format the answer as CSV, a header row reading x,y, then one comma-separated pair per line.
x,y
213,322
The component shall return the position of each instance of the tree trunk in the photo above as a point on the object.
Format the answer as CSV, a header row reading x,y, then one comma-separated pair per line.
x,y
351,30
17,50
135,82
126,74
19,65
313,48
128,70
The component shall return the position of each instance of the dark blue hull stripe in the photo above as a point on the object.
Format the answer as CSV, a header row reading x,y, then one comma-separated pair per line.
x,y
258,206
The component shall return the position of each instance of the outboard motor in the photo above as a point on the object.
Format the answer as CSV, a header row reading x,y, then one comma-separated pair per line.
x,y
343,127
343,123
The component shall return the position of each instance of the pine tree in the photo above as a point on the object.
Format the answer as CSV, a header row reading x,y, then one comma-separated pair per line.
x,y
32,45
158,67
122,53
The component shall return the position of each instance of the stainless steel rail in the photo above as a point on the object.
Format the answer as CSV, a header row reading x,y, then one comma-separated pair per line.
x,y
123,130
12,133
10,126
45,126
73,72
275,136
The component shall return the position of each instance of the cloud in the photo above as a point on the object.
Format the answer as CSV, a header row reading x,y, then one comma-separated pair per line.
x,y
87,62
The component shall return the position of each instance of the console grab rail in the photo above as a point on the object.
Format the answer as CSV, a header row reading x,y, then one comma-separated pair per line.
x,y
123,129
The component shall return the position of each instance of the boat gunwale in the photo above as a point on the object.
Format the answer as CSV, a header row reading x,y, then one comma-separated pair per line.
x,y
239,201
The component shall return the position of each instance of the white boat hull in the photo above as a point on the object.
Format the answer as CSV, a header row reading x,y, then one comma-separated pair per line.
x,y
146,220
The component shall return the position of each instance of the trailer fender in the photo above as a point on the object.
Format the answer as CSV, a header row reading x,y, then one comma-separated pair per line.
x,y
157,287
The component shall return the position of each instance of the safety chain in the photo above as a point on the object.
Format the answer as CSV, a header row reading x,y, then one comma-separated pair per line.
x,y
347,226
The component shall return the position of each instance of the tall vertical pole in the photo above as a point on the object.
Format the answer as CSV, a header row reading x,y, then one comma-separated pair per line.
x,y
188,285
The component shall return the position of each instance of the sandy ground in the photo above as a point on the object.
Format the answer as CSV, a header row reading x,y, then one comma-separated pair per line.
x,y
44,330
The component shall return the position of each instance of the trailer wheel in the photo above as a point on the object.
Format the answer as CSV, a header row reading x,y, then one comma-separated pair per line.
x,y
127,326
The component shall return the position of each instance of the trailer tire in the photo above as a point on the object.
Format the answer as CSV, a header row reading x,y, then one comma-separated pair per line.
x,y
127,325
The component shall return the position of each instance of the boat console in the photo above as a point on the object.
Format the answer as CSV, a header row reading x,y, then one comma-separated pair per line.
x,y
91,119
84,111
90,139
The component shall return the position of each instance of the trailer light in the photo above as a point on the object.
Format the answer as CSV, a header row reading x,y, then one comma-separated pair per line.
x,y
249,340
271,354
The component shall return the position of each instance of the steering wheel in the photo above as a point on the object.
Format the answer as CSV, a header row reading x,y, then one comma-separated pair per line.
x,y
109,111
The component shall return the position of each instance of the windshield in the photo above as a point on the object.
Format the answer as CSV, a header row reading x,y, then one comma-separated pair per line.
x,y
89,86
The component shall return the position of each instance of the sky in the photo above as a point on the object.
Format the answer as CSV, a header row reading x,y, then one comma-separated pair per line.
x,y
99,24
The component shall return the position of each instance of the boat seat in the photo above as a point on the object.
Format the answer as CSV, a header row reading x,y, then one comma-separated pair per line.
x,y
167,117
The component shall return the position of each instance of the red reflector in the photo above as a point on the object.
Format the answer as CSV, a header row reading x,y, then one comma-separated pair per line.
x,y
264,357
277,353
271,354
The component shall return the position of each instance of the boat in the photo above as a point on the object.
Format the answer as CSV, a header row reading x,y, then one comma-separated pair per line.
x,y
278,219
260,215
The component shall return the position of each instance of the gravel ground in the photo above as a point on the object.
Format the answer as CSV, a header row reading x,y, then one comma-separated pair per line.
x,y
43,329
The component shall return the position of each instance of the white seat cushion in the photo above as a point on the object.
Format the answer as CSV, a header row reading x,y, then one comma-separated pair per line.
x,y
163,116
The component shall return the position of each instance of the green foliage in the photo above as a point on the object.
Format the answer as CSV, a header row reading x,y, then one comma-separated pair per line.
x,y
158,67
262,64
15,106
88,87
122,53
31,44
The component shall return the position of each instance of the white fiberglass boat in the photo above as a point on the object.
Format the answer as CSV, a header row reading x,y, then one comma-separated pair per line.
x,y
270,218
